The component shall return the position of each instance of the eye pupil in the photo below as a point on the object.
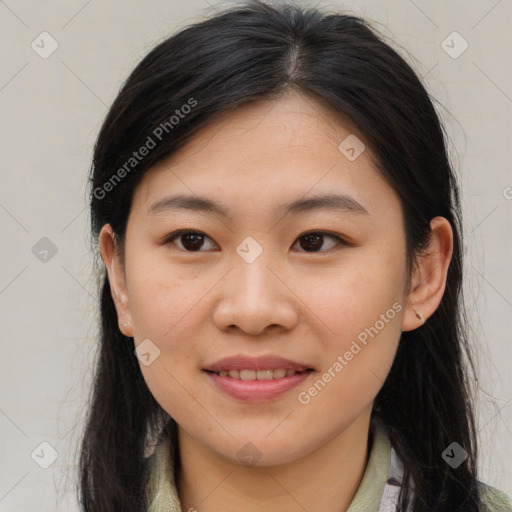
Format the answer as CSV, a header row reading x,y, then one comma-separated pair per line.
x,y
195,238
313,240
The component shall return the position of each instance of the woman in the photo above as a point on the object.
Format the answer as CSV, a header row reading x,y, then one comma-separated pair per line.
x,y
282,318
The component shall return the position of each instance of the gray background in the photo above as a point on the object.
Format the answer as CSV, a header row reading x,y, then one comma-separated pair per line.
x,y
51,111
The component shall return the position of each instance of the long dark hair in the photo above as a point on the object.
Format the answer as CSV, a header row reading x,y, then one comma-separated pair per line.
x,y
254,52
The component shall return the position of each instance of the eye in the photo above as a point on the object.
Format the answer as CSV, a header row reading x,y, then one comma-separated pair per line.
x,y
314,240
193,241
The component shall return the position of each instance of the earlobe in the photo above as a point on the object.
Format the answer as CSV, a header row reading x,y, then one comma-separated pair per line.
x,y
111,258
431,271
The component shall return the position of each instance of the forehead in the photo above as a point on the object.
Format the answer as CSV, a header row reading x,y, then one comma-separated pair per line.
x,y
267,152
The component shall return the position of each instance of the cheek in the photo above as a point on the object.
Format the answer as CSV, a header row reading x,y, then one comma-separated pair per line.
x,y
162,296
166,311
361,309
354,296
355,365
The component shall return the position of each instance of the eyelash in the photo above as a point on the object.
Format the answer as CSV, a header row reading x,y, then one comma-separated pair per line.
x,y
176,234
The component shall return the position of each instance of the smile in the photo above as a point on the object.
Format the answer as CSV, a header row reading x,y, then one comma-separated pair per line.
x,y
246,385
276,373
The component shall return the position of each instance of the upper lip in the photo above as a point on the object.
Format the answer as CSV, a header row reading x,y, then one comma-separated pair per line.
x,y
267,362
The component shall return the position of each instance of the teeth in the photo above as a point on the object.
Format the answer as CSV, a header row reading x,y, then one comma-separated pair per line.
x,y
264,374
277,373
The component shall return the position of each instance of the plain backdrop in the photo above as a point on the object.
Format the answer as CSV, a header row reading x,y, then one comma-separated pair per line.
x,y
52,107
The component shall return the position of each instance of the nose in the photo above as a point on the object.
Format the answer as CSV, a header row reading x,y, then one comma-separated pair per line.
x,y
255,297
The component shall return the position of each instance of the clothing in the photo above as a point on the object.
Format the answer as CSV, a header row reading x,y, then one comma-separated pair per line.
x,y
377,492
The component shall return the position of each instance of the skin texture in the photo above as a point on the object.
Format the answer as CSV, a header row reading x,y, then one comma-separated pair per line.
x,y
308,306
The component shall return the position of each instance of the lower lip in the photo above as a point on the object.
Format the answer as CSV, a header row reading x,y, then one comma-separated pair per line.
x,y
254,391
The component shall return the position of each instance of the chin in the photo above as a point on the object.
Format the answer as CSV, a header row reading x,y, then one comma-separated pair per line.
x,y
262,452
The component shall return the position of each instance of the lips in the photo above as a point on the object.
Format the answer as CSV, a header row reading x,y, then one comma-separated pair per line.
x,y
257,379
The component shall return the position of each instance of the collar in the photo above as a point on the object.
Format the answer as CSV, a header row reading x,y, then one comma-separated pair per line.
x,y
382,480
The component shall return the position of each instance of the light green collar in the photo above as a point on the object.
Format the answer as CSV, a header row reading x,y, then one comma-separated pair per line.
x,y
371,489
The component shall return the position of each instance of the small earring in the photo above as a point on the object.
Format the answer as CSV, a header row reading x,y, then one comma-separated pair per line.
x,y
418,315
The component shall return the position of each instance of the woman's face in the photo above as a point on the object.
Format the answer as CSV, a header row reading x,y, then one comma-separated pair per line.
x,y
320,285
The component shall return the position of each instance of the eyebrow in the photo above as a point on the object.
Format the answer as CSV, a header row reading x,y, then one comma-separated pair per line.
x,y
335,202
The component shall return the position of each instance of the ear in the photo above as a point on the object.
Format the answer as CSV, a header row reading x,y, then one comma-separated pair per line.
x,y
112,260
429,280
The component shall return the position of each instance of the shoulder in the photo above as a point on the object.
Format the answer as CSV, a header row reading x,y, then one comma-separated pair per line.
x,y
494,500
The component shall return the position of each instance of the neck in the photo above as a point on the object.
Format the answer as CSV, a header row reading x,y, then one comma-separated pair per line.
x,y
326,479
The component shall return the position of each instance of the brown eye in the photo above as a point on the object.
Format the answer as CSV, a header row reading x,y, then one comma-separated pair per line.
x,y
191,241
314,241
